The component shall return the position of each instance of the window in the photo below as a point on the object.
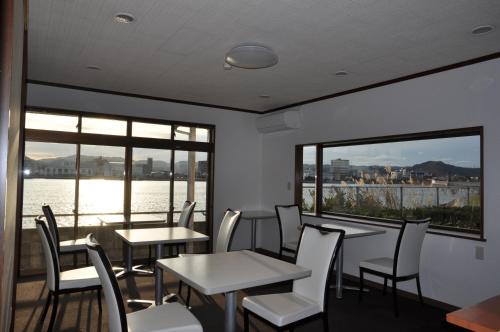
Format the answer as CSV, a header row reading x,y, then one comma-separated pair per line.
x,y
112,166
387,179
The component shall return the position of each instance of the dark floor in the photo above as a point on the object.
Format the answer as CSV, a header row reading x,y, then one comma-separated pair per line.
x,y
79,312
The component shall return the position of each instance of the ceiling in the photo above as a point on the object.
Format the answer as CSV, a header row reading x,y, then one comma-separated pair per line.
x,y
175,48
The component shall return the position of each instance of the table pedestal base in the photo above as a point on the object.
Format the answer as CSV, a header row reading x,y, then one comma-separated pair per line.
x,y
230,312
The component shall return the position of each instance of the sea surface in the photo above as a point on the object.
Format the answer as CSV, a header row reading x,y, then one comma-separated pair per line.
x,y
105,197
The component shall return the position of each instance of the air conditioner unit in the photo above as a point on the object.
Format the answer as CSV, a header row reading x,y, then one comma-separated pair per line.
x,y
278,121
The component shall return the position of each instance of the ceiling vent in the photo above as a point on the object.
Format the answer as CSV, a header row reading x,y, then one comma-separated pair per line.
x,y
278,122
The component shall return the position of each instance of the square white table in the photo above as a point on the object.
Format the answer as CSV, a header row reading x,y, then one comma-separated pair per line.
x,y
157,237
351,231
127,222
227,273
253,216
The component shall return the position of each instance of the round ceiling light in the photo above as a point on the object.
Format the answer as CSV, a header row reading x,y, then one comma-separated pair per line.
x,y
251,56
482,29
124,18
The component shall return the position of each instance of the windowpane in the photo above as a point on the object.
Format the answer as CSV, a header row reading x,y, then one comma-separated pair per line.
x,y
101,179
194,134
309,179
104,126
150,180
51,122
191,179
49,178
151,130
437,178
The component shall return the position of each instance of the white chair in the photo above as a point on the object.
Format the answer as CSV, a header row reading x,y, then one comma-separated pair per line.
x,y
288,220
224,240
63,247
405,263
184,218
167,317
317,250
71,281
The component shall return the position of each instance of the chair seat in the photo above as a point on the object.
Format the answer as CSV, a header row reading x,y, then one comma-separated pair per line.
x,y
79,278
166,317
292,245
383,264
281,309
72,245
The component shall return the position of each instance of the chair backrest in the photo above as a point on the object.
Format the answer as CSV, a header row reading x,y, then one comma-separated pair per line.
x,y
288,220
51,221
409,246
186,213
317,250
226,230
50,253
116,310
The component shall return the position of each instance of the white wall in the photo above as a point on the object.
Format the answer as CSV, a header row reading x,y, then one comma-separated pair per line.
x,y
237,149
464,97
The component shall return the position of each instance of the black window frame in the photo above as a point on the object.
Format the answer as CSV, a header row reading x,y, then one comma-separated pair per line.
x,y
129,142
391,223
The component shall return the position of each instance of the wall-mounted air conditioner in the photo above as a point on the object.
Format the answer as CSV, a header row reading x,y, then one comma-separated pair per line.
x,y
278,121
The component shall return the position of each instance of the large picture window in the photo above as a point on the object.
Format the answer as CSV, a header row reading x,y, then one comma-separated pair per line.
x,y
387,179
89,165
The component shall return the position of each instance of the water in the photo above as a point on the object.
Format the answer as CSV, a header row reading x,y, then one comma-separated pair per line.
x,y
103,197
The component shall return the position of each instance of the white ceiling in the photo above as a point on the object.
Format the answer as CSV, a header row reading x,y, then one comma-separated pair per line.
x,y
175,48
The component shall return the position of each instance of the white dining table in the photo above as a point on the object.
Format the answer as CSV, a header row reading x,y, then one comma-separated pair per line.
x,y
253,216
227,273
351,231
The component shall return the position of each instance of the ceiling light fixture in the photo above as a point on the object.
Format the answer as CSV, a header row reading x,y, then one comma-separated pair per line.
x,y
124,18
482,29
341,73
93,67
251,56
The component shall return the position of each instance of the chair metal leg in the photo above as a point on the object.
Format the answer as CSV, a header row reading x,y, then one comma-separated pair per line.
x,y
99,299
86,258
419,291
45,308
361,284
188,298
246,320
384,290
54,312
395,298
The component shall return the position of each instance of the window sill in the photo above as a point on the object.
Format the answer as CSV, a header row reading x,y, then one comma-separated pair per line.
x,y
461,235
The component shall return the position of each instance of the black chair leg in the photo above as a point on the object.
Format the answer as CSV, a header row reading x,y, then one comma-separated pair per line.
x,y
395,298
384,290
361,284
419,291
86,258
180,288
188,298
325,322
99,299
45,308
246,320
54,312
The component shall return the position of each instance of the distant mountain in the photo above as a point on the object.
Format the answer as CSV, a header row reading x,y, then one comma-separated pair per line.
x,y
441,169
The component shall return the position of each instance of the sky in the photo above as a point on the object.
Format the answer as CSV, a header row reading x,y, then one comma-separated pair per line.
x,y
457,151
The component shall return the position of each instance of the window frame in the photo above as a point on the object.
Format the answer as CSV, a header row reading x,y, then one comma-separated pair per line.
x,y
391,223
128,142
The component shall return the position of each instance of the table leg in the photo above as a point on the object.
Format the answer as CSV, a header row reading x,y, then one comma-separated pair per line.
x,y
254,230
230,312
158,277
339,268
